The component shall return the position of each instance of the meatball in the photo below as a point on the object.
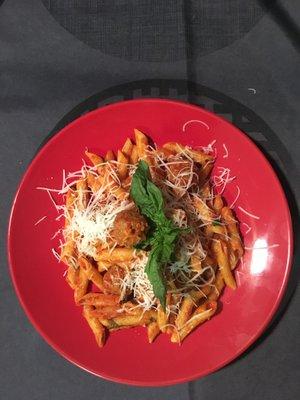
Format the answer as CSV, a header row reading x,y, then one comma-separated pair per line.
x,y
129,228
112,279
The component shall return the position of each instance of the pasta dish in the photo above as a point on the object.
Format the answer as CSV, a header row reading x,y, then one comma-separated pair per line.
x,y
148,239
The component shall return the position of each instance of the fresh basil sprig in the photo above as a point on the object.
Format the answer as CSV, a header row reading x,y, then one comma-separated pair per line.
x,y
162,234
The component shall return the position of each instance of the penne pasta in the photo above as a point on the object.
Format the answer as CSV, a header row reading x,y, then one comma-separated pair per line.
x,y
188,304
201,315
203,211
220,250
163,152
95,325
99,299
113,310
185,311
91,272
68,253
81,286
82,194
103,265
196,155
94,182
218,203
217,288
134,156
196,263
106,312
232,226
233,257
219,229
113,185
94,158
140,319
205,171
146,239
201,158
110,156
72,276
152,331
127,148
205,191
122,166
116,255
127,183
141,143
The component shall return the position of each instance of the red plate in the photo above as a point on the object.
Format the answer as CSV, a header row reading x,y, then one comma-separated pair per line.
x,y
127,357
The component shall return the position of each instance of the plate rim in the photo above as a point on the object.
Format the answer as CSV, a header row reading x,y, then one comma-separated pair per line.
x,y
267,320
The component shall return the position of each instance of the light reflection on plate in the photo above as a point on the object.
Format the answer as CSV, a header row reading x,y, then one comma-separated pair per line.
x,y
259,259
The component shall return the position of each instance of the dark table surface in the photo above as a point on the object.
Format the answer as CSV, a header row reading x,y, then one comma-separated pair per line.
x,y
212,53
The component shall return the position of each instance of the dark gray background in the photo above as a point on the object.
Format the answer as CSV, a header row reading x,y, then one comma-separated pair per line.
x,y
45,71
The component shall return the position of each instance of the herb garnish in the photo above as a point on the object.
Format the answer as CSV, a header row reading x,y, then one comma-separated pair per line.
x,y
162,235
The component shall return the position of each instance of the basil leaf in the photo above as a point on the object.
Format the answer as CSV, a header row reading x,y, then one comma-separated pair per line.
x,y
163,234
155,274
143,244
145,194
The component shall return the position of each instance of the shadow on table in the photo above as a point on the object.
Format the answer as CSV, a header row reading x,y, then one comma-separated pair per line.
x,y
283,20
277,12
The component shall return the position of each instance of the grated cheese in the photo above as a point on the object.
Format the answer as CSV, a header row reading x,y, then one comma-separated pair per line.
x,y
223,179
248,213
248,228
53,201
136,280
91,225
56,255
226,151
94,223
210,148
56,234
236,197
40,220
193,121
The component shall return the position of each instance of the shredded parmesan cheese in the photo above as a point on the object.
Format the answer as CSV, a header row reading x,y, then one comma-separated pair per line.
x,y
223,179
56,255
226,151
236,197
136,280
40,220
90,226
248,213
248,228
192,121
210,148
94,223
